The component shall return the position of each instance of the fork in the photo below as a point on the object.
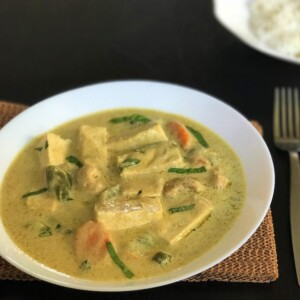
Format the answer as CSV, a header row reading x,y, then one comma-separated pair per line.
x,y
286,131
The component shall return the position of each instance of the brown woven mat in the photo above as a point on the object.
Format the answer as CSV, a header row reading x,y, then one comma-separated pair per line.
x,y
255,261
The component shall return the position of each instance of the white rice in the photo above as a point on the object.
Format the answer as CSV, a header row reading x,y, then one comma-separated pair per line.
x,y
277,24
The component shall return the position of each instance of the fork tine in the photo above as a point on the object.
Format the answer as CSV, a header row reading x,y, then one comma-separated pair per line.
x,y
276,114
286,118
290,112
297,113
283,112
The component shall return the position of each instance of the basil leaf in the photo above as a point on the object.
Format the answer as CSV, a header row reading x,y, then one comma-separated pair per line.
x,y
174,210
45,231
129,162
135,118
114,256
74,160
62,229
58,227
46,145
43,190
198,136
187,171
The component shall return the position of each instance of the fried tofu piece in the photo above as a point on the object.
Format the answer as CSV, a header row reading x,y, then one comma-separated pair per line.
x,y
137,137
175,226
92,145
121,213
154,158
53,150
144,185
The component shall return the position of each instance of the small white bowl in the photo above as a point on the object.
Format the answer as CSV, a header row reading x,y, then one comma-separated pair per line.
x,y
216,115
234,16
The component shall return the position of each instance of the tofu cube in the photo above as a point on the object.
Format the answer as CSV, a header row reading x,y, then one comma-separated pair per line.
x,y
175,226
121,213
143,185
153,158
138,137
92,145
53,150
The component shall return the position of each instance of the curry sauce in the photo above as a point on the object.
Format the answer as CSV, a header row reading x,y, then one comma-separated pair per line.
x,y
122,195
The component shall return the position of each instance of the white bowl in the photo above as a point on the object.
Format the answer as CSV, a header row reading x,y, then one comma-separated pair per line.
x,y
216,115
234,16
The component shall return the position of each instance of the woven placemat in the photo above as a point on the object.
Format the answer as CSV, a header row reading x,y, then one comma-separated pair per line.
x,y
255,261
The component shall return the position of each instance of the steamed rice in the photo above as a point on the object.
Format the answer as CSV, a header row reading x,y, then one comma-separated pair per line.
x,y
277,24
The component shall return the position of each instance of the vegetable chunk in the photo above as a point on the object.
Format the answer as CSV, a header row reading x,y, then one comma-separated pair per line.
x,y
153,158
92,145
177,225
162,258
90,241
145,185
137,137
181,133
120,213
53,150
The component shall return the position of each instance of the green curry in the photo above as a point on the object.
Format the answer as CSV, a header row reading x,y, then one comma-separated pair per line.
x,y
122,194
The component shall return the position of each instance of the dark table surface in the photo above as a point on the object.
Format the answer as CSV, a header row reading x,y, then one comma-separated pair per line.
x,y
47,47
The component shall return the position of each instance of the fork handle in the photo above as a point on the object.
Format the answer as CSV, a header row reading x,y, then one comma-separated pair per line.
x,y
295,209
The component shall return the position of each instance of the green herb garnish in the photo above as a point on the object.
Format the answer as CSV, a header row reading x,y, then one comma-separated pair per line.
x,y
162,258
45,231
129,162
114,256
85,265
174,210
46,145
198,136
187,171
74,160
62,229
58,227
43,190
135,118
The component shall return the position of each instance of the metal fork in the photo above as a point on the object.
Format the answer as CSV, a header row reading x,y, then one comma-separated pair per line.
x,y
287,137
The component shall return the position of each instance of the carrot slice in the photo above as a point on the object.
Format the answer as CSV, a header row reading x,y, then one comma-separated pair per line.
x,y
90,241
181,133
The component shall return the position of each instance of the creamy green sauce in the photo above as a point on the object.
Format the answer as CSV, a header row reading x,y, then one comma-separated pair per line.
x,y
23,224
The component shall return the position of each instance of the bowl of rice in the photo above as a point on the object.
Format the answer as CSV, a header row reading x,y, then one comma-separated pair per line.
x,y
269,26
